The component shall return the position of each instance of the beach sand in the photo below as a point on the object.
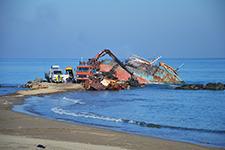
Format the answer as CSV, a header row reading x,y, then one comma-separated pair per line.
x,y
8,142
50,88
20,131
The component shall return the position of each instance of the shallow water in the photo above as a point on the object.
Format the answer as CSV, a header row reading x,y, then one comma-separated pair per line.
x,y
156,110
9,88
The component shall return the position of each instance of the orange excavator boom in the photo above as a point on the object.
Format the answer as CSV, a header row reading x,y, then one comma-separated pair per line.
x,y
107,51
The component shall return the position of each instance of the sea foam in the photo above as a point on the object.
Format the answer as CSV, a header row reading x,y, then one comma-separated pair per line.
x,y
74,101
84,115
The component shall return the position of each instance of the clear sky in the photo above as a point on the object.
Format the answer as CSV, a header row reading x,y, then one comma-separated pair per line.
x,y
81,28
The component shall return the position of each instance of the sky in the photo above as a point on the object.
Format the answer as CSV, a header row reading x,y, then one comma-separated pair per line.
x,y
82,28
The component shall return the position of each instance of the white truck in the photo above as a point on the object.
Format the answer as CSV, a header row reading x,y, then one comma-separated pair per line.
x,y
55,74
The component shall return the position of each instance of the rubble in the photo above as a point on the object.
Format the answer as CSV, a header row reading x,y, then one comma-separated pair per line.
x,y
208,86
106,74
36,84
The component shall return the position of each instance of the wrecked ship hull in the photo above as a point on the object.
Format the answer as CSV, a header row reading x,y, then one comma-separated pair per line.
x,y
150,73
165,75
154,74
117,72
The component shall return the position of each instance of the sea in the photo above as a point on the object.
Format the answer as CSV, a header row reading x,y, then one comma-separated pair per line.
x,y
193,116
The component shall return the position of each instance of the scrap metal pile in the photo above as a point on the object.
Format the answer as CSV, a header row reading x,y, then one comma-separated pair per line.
x,y
113,74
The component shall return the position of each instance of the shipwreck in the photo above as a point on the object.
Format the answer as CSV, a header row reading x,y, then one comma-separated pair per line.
x,y
113,74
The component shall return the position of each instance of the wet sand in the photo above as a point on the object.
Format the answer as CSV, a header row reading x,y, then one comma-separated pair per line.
x,y
20,131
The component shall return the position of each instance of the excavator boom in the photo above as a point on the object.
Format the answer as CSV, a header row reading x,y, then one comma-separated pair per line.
x,y
107,51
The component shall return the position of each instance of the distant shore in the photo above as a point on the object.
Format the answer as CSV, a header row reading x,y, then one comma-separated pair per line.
x,y
21,131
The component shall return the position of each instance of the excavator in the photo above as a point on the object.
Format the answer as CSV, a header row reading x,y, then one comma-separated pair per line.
x,y
98,80
94,61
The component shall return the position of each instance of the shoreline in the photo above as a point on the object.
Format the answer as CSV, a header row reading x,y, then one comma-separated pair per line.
x,y
17,125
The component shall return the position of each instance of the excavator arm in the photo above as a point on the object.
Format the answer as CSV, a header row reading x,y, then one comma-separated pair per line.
x,y
107,51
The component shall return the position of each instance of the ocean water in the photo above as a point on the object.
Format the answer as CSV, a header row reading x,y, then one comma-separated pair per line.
x,y
155,110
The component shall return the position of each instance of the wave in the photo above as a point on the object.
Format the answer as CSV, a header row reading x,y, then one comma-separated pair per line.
x,y
134,122
84,115
74,101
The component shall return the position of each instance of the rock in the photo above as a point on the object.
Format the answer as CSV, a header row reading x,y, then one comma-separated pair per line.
x,y
38,83
208,86
215,86
41,146
151,125
38,86
190,87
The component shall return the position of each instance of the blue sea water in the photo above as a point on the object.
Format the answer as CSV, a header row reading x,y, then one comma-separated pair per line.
x,y
155,110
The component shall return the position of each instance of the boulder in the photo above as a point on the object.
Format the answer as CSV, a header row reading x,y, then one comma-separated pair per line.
x,y
208,86
38,83
215,86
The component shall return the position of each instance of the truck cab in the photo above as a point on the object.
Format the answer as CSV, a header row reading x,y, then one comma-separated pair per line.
x,y
55,74
83,72
69,76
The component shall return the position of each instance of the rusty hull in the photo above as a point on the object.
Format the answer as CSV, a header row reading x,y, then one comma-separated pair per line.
x,y
150,73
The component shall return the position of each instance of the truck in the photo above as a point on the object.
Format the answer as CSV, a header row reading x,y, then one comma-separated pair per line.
x,y
69,76
55,74
83,72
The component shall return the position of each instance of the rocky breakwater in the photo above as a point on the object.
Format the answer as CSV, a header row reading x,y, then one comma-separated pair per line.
x,y
208,86
38,83
40,86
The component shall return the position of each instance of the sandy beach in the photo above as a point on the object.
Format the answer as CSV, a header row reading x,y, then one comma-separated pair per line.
x,y
20,131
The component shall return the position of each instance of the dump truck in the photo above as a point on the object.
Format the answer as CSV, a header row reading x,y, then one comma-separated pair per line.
x,y
69,76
